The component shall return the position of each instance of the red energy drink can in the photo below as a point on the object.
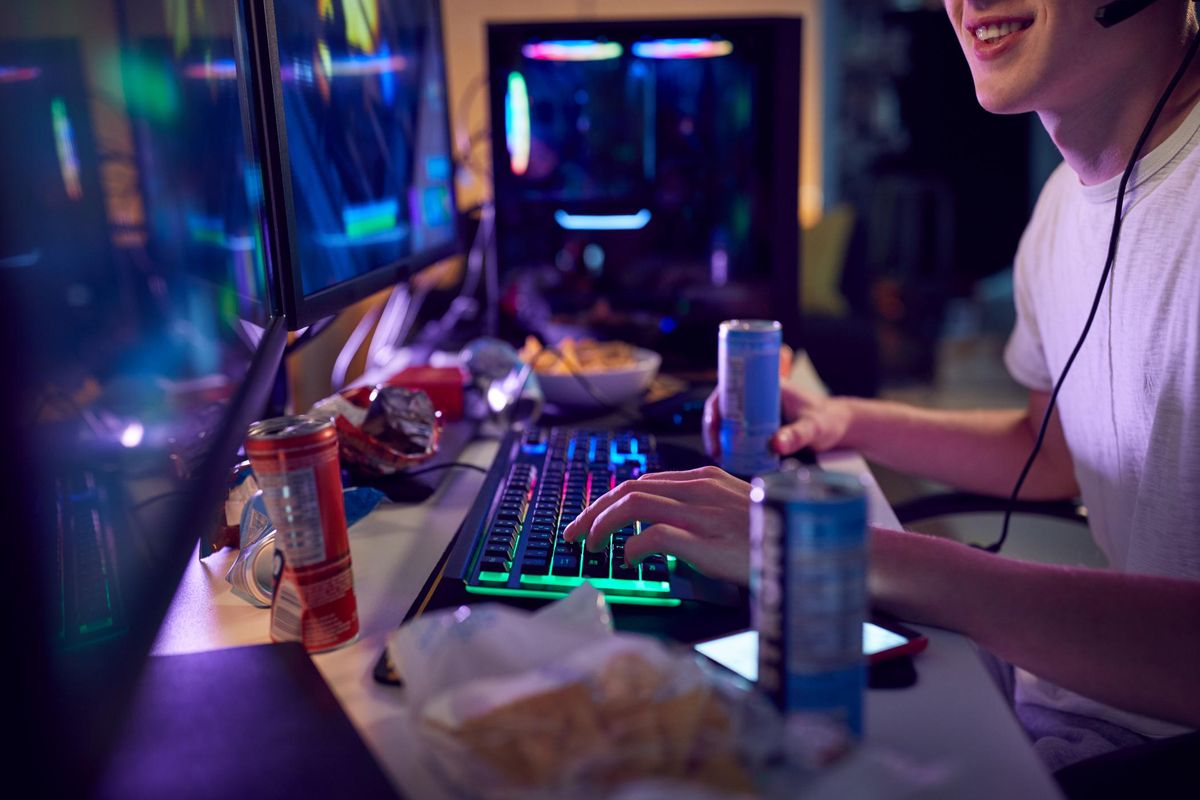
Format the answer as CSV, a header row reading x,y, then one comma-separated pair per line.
x,y
295,461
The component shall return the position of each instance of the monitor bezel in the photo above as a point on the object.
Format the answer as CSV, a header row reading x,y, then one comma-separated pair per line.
x,y
785,248
298,309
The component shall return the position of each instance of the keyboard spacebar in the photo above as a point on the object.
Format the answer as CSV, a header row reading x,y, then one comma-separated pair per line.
x,y
606,585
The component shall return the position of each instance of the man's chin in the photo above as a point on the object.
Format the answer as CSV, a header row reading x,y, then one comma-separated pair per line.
x,y
999,101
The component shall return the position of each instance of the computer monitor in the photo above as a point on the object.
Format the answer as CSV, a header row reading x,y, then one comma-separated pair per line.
x,y
359,173
646,175
199,181
129,382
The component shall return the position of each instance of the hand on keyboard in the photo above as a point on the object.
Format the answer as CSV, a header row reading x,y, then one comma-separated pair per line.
x,y
700,515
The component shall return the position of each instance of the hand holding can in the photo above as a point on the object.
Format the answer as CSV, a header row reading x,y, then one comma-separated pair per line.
x,y
748,395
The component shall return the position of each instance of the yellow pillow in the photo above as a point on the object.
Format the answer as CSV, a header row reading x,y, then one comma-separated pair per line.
x,y
823,252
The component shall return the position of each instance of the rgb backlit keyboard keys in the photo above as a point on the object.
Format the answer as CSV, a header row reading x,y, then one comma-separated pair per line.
x,y
556,475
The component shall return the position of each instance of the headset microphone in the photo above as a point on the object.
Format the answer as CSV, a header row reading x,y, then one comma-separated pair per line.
x,y
1110,14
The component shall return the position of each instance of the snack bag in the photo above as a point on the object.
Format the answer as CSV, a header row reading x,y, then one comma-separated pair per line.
x,y
555,704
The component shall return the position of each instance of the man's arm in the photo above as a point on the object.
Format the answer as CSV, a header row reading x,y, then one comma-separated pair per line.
x,y
1131,641
979,451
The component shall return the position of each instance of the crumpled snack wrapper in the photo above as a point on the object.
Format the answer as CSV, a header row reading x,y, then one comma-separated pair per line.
x,y
382,430
555,704
403,419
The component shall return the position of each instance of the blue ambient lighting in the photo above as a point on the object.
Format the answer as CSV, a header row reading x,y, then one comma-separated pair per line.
x,y
602,222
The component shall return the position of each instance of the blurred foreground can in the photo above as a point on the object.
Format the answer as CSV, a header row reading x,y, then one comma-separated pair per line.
x,y
808,563
295,460
748,392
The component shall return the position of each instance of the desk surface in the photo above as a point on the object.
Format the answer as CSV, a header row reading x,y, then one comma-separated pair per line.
x,y
953,718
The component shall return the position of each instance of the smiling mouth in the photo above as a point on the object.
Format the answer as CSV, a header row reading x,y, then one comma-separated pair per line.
x,y
990,34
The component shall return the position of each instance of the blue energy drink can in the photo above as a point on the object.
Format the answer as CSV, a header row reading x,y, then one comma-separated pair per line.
x,y
748,392
808,589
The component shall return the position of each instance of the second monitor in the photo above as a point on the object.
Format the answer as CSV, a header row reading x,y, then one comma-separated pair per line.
x,y
359,173
646,176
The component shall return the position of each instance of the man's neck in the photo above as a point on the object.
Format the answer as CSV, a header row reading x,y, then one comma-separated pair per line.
x,y
1097,135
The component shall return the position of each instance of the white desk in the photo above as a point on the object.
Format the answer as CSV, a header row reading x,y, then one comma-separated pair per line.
x,y
954,717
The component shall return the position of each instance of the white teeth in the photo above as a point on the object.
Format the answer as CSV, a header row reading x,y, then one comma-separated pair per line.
x,y
990,33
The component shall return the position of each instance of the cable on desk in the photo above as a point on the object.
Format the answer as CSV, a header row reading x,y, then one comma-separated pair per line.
x,y
438,467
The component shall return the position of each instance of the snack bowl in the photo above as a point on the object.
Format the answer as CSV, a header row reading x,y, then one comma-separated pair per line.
x,y
600,388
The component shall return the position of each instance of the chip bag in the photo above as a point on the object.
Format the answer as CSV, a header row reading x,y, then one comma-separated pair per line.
x,y
555,704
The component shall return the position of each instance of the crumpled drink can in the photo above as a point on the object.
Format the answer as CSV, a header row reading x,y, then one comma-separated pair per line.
x,y
250,575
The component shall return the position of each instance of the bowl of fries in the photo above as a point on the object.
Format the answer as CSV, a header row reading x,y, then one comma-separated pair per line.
x,y
584,373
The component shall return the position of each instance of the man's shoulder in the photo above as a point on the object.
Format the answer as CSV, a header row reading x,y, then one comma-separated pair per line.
x,y
1060,186
1182,171
1057,192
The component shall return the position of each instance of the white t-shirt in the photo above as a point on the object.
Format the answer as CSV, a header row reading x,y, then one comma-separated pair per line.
x,y
1130,407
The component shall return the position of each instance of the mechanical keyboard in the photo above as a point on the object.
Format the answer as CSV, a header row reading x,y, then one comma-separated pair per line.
x,y
546,477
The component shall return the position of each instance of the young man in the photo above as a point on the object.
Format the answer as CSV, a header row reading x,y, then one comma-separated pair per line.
x,y
1105,658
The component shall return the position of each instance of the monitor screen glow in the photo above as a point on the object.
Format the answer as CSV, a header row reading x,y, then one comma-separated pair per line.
x,y
366,148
